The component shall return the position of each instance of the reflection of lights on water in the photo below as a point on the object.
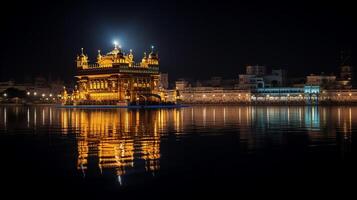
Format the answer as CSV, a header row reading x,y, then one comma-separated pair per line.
x,y
300,116
214,116
120,180
248,120
34,117
43,116
224,115
288,115
240,115
50,116
121,148
350,118
28,117
268,117
204,116
5,116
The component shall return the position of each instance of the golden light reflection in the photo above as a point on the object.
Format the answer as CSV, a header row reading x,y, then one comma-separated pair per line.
x,y
5,117
109,139
122,140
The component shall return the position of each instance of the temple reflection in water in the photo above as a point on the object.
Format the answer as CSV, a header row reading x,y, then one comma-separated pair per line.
x,y
114,139
128,141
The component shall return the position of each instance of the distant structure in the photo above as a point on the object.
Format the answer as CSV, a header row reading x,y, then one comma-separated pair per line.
x,y
116,79
322,80
258,77
346,75
259,85
181,84
38,91
343,81
164,80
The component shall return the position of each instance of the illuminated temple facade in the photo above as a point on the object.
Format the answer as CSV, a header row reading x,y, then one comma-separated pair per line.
x,y
115,78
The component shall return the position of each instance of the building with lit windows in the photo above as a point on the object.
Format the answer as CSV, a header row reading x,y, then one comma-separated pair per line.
x,y
258,77
115,78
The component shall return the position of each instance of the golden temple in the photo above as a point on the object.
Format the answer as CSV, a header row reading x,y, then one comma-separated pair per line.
x,y
116,79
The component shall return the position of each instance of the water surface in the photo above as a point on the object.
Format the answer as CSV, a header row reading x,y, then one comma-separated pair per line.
x,y
108,152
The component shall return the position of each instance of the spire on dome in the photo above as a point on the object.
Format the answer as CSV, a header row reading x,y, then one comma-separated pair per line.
x,y
99,57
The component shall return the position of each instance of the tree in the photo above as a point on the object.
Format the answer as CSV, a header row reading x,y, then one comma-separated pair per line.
x,y
14,92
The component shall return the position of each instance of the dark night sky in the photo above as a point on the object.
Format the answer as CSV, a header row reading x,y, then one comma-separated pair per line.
x,y
195,39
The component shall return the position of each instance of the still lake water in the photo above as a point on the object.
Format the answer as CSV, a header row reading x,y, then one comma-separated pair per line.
x,y
108,152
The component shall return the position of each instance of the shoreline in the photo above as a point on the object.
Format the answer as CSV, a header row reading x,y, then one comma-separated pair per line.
x,y
118,106
188,105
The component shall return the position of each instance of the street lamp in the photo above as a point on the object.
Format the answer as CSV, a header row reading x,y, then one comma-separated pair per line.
x,y
5,95
28,93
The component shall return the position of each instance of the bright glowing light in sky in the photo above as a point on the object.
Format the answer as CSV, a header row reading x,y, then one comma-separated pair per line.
x,y
115,42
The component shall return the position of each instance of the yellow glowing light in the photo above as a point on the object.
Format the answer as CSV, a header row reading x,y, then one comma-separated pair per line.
x,y
350,94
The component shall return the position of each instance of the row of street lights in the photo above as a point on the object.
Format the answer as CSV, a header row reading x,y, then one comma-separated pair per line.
x,y
43,94
34,94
